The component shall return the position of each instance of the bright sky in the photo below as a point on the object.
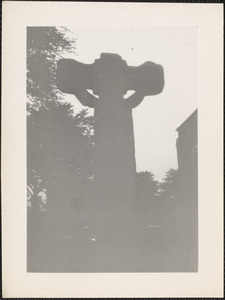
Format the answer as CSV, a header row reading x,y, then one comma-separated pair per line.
x,y
157,117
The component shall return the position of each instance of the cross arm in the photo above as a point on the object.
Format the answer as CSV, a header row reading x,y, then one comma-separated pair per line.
x,y
135,99
75,78
145,80
86,98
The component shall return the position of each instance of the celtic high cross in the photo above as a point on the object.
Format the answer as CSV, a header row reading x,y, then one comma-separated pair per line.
x,y
110,78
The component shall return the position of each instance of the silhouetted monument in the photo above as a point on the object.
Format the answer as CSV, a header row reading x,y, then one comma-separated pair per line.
x,y
114,162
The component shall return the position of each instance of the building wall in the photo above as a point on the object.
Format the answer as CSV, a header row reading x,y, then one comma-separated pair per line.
x,y
187,190
187,145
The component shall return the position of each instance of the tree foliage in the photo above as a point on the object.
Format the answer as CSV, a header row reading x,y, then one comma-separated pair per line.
x,y
147,188
168,186
146,184
59,143
45,45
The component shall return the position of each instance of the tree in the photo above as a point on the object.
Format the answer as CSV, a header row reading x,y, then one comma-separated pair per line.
x,y
45,45
147,189
58,143
168,186
146,184
59,146
59,150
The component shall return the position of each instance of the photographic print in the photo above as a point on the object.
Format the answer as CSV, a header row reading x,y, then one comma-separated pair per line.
x,y
112,150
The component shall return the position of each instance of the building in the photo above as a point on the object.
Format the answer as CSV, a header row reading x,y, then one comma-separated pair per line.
x,y
187,145
187,190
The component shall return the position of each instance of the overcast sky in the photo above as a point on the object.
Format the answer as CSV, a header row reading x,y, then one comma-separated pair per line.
x,y
157,117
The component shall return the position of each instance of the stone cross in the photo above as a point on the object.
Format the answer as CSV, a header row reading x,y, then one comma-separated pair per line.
x,y
110,78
